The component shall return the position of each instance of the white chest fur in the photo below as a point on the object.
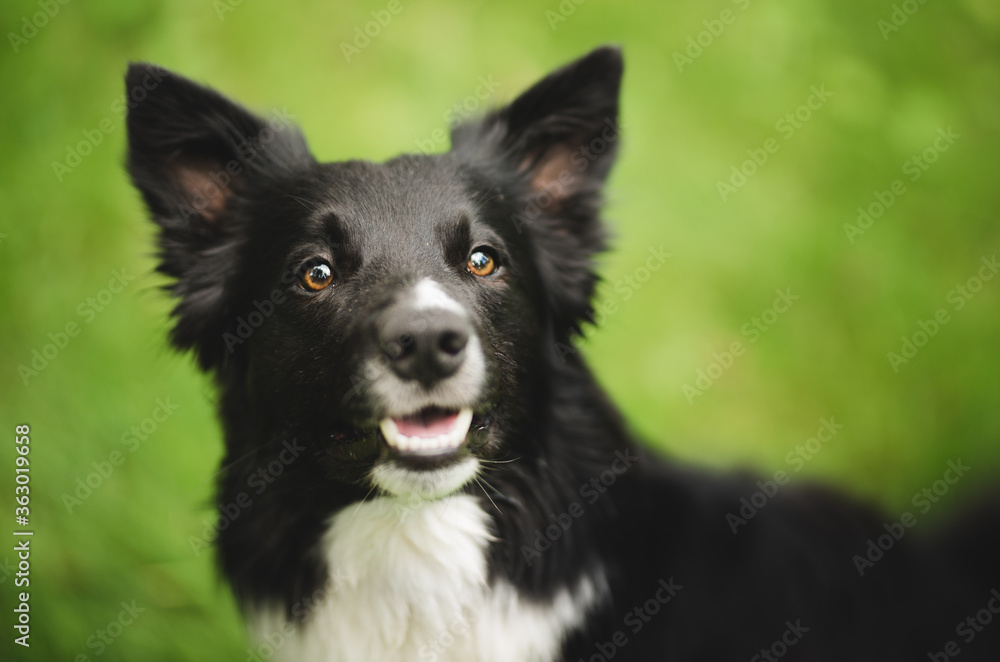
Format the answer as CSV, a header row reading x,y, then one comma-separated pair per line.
x,y
410,583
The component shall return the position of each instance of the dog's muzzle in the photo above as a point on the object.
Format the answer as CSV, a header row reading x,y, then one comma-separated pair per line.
x,y
432,374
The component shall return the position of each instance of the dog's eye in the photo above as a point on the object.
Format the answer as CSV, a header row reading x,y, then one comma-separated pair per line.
x,y
482,262
316,275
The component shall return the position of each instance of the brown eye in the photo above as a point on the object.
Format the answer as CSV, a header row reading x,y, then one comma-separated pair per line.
x,y
481,262
317,275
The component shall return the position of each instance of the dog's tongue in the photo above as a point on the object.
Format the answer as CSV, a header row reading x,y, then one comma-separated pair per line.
x,y
432,423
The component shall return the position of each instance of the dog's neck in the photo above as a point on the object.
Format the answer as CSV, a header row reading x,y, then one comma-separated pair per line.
x,y
412,579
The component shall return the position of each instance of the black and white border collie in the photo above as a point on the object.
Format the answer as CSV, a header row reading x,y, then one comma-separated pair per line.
x,y
393,345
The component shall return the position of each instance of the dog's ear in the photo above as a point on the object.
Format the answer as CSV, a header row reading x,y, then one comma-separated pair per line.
x,y
197,158
556,143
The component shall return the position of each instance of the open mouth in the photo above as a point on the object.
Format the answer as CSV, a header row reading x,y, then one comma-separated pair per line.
x,y
430,431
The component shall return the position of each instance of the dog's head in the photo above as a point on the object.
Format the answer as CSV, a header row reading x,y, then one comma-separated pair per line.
x,y
398,319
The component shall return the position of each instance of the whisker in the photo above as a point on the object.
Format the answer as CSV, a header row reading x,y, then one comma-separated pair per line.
x,y
305,203
485,461
361,503
230,465
480,483
484,199
495,490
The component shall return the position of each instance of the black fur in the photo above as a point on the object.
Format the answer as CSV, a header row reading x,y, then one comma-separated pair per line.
x,y
241,208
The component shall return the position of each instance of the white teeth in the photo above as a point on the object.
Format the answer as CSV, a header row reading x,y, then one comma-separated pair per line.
x,y
450,440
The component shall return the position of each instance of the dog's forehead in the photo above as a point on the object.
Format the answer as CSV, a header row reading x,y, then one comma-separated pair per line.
x,y
412,194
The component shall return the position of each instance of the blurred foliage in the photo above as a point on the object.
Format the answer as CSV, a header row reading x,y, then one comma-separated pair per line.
x,y
63,236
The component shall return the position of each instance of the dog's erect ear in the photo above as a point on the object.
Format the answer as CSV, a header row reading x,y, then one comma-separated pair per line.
x,y
557,142
191,149
194,155
562,134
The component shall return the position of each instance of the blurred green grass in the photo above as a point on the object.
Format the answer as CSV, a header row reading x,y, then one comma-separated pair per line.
x,y
60,241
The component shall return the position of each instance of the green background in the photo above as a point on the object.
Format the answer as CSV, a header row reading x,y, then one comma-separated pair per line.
x,y
685,128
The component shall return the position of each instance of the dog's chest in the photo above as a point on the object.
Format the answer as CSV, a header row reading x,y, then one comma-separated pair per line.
x,y
410,583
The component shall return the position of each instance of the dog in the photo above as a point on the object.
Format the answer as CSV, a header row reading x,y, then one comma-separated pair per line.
x,y
420,466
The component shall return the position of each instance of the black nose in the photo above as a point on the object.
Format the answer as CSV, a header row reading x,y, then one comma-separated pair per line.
x,y
423,345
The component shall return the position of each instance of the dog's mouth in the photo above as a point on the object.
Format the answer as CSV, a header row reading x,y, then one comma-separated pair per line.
x,y
429,453
429,432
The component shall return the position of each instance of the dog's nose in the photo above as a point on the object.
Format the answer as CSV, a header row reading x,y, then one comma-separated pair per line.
x,y
423,345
